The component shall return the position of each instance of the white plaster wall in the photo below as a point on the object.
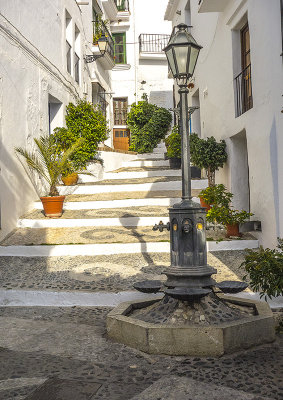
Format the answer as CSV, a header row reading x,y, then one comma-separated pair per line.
x,y
146,17
214,78
33,66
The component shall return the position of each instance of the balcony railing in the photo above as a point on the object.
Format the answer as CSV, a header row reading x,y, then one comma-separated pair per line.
x,y
122,5
153,43
107,34
243,91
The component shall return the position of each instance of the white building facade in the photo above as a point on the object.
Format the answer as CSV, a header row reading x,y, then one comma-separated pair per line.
x,y
140,34
42,69
238,85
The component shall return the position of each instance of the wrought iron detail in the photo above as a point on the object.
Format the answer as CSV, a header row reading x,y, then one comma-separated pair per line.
x,y
243,91
161,226
153,43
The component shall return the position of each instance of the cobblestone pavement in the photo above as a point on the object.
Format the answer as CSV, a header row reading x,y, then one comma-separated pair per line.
x,y
102,273
71,343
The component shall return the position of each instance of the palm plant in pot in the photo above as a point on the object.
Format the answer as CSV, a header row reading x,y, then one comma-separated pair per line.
x,y
45,163
173,145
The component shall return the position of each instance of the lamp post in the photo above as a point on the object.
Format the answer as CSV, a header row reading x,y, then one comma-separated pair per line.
x,y
189,267
102,45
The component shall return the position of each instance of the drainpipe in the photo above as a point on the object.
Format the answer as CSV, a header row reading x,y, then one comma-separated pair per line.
x,y
135,53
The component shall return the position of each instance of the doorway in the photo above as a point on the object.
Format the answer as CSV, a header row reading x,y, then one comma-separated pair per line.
x,y
121,139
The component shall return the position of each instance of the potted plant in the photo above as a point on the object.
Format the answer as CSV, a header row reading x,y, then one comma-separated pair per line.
x,y
173,145
215,195
49,166
265,270
70,175
208,154
228,217
83,120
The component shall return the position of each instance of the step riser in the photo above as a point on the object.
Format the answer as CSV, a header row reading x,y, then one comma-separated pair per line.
x,y
142,187
91,222
143,174
115,248
146,163
97,205
131,175
150,156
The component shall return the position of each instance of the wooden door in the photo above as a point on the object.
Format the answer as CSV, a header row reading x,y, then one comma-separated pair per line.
x,y
121,138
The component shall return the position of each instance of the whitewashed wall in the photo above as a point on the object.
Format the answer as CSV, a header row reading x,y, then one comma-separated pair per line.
x,y
146,17
33,67
217,66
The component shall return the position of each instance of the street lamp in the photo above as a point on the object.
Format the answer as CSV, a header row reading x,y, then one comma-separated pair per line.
x,y
189,267
102,45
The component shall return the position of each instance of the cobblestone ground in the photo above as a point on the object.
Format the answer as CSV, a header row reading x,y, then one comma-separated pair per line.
x,y
102,273
71,343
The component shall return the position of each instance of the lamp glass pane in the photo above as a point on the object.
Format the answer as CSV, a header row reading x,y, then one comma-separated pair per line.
x,y
181,53
193,60
102,45
171,61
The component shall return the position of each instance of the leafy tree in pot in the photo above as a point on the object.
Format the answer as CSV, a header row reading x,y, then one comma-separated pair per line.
x,y
208,154
148,124
82,120
173,143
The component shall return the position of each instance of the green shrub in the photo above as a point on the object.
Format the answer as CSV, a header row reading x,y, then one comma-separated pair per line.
x,y
216,195
148,124
265,270
208,154
82,120
173,143
227,215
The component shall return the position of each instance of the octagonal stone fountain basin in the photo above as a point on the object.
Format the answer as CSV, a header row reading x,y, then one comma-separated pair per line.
x,y
193,340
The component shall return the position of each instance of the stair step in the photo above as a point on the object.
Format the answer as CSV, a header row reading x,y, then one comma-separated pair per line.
x,y
150,156
84,235
158,194
146,163
115,248
96,205
130,187
142,174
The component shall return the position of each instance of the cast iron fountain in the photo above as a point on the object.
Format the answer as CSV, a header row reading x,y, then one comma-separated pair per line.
x,y
190,315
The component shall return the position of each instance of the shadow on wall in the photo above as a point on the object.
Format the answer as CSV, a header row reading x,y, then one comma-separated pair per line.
x,y
162,98
16,192
273,148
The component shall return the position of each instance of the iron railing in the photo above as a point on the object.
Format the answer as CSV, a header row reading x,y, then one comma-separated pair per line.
x,y
243,91
122,5
107,34
153,43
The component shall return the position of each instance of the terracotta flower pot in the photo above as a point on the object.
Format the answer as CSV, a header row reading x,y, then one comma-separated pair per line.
x,y
204,204
53,206
233,230
70,180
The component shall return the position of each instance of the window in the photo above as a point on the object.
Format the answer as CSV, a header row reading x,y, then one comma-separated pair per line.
x,y
69,56
69,41
120,110
243,81
55,113
99,97
120,48
76,56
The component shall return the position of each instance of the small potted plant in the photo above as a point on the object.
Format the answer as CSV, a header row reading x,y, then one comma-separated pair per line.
x,y
228,217
173,145
49,166
70,175
215,195
265,270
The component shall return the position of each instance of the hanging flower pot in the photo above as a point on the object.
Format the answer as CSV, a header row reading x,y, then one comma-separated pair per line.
x,y
53,206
